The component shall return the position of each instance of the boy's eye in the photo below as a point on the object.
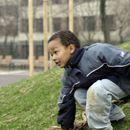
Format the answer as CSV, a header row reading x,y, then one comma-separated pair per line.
x,y
55,52
51,54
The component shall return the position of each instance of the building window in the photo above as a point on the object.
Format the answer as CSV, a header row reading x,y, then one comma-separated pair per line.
x,y
56,1
38,2
89,23
2,11
12,28
78,24
12,10
25,50
2,30
9,10
24,25
57,24
39,50
24,2
111,23
60,24
83,1
38,25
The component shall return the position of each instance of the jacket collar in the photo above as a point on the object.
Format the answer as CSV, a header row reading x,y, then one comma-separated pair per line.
x,y
76,58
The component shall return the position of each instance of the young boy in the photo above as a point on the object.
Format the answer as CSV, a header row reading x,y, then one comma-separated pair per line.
x,y
93,76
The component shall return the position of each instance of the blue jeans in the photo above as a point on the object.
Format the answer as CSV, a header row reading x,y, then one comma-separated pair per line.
x,y
97,102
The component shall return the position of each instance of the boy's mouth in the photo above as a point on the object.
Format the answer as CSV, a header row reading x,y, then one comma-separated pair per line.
x,y
57,63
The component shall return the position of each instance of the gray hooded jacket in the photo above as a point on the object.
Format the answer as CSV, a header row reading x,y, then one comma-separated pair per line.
x,y
88,65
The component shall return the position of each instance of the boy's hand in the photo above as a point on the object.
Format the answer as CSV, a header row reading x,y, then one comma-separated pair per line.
x,y
58,128
55,128
77,126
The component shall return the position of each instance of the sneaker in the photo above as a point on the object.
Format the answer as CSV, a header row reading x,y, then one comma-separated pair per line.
x,y
80,126
118,121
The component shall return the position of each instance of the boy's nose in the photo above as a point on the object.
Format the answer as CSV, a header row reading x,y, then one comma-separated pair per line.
x,y
53,57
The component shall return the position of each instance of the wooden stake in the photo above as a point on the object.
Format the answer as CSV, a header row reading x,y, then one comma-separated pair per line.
x,y
31,48
71,15
45,28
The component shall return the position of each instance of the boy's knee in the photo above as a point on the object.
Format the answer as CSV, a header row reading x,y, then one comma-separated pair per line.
x,y
80,97
80,94
76,95
91,97
95,93
94,90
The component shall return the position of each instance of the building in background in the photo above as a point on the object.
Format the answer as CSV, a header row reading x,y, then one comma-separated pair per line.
x,y
87,23
8,26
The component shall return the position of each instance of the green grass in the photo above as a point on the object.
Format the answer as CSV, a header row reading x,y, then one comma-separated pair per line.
x,y
31,104
125,46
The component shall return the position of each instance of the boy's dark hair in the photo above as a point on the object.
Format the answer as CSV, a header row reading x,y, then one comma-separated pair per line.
x,y
66,38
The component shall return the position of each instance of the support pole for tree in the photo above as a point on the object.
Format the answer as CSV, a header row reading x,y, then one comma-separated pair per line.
x,y
50,27
45,28
31,48
71,15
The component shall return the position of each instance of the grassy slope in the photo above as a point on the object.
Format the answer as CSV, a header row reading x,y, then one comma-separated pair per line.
x,y
125,46
32,104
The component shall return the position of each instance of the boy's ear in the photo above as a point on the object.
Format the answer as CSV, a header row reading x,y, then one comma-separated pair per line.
x,y
72,48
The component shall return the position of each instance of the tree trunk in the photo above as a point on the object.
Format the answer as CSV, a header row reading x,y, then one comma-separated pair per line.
x,y
120,35
104,27
5,51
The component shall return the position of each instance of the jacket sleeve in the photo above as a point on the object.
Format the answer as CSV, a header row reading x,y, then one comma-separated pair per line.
x,y
66,113
115,58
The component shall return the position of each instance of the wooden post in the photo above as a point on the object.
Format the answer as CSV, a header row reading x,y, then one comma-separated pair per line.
x,y
31,48
71,15
50,28
45,33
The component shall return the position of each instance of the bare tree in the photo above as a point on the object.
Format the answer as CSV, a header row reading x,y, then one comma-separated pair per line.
x,y
85,22
9,23
122,15
104,25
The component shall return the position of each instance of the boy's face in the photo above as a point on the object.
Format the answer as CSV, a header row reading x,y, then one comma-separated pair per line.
x,y
60,53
